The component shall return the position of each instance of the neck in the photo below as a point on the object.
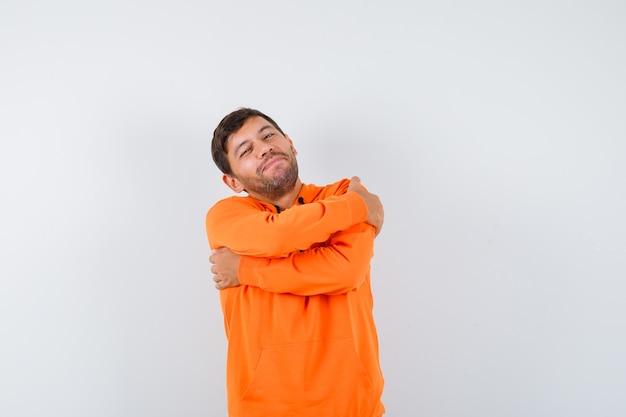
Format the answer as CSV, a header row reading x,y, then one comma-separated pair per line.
x,y
285,201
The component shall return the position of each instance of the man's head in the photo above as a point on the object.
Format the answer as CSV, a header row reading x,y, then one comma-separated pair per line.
x,y
230,124
255,155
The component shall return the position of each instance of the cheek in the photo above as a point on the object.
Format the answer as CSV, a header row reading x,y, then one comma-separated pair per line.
x,y
246,168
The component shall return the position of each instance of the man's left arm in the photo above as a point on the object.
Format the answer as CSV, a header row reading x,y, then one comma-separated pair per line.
x,y
339,266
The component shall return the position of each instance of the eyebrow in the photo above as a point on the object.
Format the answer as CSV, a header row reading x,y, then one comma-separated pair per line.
x,y
264,128
245,141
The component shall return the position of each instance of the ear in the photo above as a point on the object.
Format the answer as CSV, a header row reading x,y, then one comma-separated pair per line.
x,y
232,183
295,152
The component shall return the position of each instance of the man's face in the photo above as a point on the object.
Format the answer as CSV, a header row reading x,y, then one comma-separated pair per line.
x,y
262,161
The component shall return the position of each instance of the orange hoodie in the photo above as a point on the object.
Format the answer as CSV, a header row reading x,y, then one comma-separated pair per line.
x,y
301,335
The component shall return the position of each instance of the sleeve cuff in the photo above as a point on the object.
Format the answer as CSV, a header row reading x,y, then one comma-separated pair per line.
x,y
247,267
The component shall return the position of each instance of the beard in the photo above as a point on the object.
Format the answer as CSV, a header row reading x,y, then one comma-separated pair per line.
x,y
280,184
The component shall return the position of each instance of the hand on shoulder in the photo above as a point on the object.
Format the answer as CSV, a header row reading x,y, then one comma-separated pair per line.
x,y
375,211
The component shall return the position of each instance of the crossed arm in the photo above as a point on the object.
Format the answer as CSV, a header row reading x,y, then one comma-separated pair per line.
x,y
335,266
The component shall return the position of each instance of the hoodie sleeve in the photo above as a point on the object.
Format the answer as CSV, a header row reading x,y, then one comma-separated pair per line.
x,y
247,228
339,266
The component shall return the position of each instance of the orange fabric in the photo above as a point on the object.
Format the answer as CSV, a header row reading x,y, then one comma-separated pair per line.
x,y
301,335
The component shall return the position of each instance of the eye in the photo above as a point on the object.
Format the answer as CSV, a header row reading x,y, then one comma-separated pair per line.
x,y
245,152
269,135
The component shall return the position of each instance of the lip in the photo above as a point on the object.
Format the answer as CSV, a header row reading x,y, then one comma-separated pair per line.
x,y
272,161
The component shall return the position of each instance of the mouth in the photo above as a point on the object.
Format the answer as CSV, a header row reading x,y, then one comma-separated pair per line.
x,y
271,162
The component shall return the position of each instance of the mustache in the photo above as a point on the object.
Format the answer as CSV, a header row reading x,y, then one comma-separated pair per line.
x,y
269,156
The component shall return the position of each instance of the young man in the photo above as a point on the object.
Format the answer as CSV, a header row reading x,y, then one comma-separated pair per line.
x,y
292,262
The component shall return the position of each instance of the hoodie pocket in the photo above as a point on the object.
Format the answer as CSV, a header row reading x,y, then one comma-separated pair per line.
x,y
312,379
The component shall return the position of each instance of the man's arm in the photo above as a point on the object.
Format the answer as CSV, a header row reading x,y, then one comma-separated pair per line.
x,y
338,267
245,227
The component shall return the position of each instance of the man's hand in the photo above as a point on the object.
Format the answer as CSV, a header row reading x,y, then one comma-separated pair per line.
x,y
225,268
375,212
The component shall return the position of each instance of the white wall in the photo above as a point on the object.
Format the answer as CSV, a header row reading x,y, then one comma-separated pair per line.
x,y
493,131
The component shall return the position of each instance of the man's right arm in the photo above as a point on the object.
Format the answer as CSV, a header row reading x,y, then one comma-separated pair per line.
x,y
246,227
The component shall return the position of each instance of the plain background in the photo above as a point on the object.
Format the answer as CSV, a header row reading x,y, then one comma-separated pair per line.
x,y
494,132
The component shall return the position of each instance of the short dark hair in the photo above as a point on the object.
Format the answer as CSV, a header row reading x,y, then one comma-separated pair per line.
x,y
230,124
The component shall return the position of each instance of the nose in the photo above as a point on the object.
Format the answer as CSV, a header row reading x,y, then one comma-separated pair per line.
x,y
265,149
